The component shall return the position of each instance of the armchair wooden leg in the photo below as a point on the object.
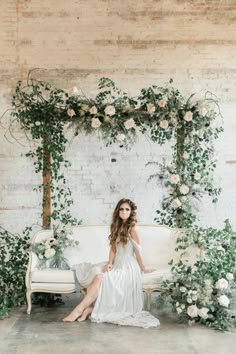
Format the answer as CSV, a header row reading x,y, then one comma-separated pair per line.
x,y
28,297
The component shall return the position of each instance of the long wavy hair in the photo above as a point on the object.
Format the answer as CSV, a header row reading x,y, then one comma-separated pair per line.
x,y
120,230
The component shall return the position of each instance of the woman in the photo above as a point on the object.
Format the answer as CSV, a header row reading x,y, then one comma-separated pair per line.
x,y
117,285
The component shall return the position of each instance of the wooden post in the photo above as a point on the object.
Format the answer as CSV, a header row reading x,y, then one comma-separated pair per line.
x,y
46,186
179,163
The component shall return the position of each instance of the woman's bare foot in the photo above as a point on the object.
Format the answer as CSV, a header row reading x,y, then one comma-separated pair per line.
x,y
85,314
77,312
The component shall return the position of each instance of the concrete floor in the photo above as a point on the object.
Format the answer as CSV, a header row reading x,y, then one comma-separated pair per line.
x,y
44,332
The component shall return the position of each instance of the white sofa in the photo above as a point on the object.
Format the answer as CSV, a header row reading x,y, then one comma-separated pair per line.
x,y
158,248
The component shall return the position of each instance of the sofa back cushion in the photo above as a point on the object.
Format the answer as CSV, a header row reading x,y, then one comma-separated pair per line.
x,y
158,244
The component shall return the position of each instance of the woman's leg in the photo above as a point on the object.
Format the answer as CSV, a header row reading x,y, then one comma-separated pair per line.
x,y
85,314
90,297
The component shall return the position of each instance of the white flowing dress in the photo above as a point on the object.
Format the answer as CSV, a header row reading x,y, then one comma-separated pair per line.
x,y
120,297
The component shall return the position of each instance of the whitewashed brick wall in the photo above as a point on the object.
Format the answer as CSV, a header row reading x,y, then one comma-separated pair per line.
x,y
135,43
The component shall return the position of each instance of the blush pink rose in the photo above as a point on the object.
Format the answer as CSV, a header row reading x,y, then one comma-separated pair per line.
x,y
95,123
188,116
110,110
164,124
129,123
70,112
150,107
93,110
161,103
192,311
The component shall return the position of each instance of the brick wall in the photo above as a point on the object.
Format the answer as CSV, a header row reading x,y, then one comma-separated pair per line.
x,y
136,43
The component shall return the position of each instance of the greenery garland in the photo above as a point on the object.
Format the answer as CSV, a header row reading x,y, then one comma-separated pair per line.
x,y
160,113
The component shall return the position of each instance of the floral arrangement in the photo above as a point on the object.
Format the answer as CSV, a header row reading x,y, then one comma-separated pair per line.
x,y
50,251
203,292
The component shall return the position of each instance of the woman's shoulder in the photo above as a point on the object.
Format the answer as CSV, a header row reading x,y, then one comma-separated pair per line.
x,y
134,233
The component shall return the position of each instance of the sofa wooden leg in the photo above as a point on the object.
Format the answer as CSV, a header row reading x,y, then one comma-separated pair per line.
x,y
148,294
28,297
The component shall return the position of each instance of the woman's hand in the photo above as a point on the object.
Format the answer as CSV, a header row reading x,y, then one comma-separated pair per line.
x,y
150,270
107,267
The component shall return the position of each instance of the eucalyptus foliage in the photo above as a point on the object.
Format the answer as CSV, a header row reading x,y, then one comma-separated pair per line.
x,y
202,291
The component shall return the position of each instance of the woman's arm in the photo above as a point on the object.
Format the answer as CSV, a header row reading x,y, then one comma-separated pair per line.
x,y
108,266
137,251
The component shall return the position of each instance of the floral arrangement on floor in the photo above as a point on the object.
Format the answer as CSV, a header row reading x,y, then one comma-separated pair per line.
x,y
14,249
203,292
50,252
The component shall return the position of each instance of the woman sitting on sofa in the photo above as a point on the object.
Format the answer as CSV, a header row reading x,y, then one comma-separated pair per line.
x,y
116,287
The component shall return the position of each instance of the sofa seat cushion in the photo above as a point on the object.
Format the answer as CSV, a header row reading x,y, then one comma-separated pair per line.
x,y
52,275
58,288
156,277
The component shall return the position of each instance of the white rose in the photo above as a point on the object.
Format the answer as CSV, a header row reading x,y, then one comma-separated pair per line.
x,y
202,110
173,120
194,297
182,289
185,155
183,199
184,189
194,132
129,123
223,300
229,276
203,312
110,110
179,310
73,91
197,176
93,110
107,119
70,112
161,103
176,203
37,123
95,123
120,137
188,116
85,107
221,284
174,179
150,107
192,311
189,300
164,124
50,252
